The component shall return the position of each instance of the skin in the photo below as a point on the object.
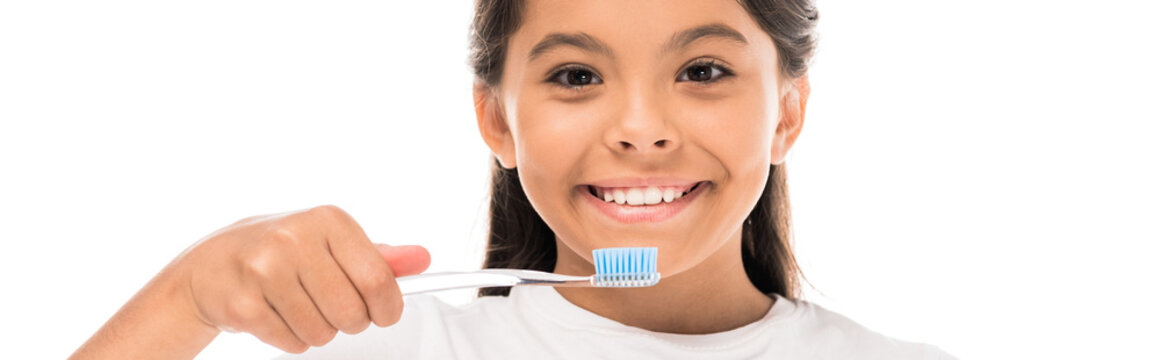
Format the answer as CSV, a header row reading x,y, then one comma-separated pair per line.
x,y
639,114
293,280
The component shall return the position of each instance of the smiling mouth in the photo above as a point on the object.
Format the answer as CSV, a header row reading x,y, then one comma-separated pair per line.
x,y
647,204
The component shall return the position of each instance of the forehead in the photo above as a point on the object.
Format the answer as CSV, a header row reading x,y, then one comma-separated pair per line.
x,y
630,27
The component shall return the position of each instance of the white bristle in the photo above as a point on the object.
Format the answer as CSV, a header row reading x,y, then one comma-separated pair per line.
x,y
625,267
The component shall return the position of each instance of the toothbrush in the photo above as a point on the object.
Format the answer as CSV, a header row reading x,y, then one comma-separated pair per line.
x,y
616,267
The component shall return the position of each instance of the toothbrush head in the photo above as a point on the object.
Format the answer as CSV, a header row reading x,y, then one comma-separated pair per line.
x,y
625,267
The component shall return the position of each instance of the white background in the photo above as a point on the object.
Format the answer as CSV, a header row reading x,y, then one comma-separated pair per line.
x,y
978,175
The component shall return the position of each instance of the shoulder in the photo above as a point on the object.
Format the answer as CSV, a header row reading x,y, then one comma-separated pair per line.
x,y
841,337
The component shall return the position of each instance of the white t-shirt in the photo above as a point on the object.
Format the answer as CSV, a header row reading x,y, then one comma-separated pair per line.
x,y
535,322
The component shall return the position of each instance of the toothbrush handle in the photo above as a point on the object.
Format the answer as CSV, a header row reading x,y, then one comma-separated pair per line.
x,y
422,283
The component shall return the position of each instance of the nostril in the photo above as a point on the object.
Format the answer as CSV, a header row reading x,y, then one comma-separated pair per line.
x,y
662,144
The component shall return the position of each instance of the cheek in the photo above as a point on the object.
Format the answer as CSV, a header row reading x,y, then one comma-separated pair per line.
x,y
542,123
737,130
550,143
744,136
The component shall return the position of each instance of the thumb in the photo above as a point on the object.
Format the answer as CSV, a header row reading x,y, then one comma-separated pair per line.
x,y
406,259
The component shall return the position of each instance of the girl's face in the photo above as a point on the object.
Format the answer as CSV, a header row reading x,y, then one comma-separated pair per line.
x,y
640,101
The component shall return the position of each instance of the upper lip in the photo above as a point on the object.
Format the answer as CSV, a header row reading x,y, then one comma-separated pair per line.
x,y
658,181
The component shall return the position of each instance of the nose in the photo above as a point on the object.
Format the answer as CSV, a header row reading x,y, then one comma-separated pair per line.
x,y
643,128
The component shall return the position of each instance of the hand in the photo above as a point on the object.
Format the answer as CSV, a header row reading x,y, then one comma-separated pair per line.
x,y
295,279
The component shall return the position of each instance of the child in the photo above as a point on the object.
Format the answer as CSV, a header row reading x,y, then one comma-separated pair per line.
x,y
613,123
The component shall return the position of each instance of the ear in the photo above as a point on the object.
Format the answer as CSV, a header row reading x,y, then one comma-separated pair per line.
x,y
493,125
792,115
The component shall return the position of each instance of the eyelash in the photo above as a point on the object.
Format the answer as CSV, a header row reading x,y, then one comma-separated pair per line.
x,y
565,70
725,72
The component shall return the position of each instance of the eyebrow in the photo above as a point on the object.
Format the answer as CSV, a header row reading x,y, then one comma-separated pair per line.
x,y
679,40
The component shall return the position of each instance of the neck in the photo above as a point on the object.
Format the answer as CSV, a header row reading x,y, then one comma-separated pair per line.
x,y
713,296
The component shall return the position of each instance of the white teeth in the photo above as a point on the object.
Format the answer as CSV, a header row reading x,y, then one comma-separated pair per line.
x,y
652,195
635,197
639,196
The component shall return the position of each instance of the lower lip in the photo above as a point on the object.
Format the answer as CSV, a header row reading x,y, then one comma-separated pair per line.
x,y
632,214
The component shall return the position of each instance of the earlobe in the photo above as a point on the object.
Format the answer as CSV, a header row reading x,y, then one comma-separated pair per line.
x,y
493,126
792,116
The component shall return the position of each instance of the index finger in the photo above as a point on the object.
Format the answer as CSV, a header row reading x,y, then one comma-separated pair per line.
x,y
367,270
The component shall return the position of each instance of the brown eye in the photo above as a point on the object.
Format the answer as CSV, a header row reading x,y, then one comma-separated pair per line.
x,y
699,73
579,77
575,77
704,72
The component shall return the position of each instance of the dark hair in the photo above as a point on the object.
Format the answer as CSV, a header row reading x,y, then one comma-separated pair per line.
x,y
519,238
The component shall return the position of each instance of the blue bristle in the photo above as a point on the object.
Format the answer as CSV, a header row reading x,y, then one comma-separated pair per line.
x,y
625,267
